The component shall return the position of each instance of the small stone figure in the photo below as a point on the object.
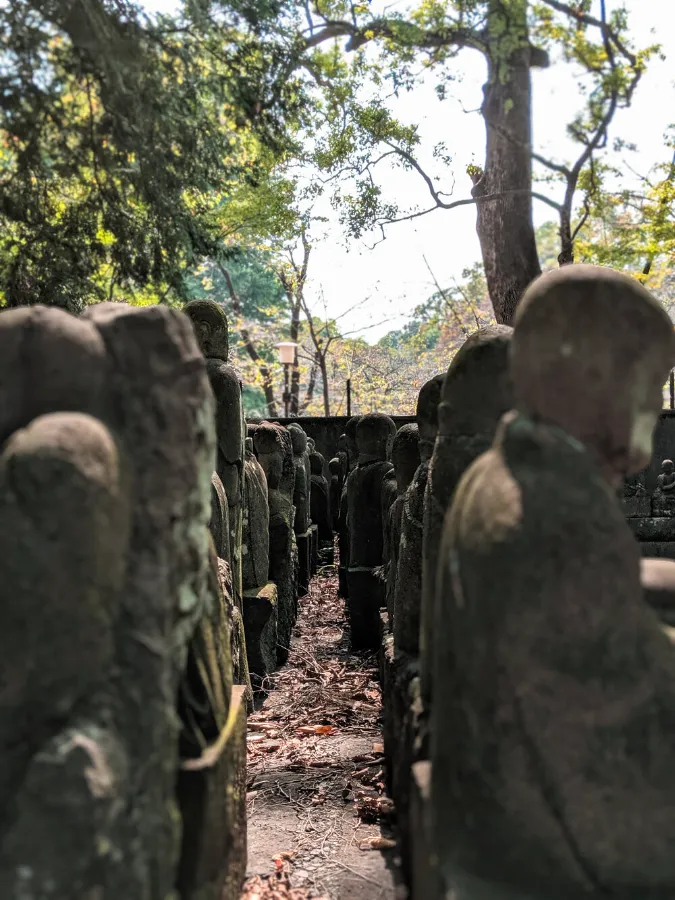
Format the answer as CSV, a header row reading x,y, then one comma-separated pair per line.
x,y
335,469
301,502
351,455
408,587
255,545
320,499
210,323
554,732
663,500
364,521
477,391
405,457
273,447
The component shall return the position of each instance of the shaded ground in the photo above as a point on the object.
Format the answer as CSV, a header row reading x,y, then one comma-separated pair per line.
x,y
318,813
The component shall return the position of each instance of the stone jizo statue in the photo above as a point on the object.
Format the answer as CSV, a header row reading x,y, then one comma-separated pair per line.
x,y
405,458
663,500
553,737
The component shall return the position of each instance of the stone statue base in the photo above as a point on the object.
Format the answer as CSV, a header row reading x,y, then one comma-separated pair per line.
x,y
363,608
211,793
261,618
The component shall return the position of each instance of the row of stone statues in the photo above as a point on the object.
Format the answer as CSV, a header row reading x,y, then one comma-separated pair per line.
x,y
528,686
150,572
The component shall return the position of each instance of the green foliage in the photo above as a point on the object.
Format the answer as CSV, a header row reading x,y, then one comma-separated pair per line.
x,y
122,138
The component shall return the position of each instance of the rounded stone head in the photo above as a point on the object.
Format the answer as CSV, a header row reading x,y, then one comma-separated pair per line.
x,y
373,435
316,463
667,467
311,444
350,437
335,466
590,353
478,389
342,443
405,454
427,414
298,439
210,325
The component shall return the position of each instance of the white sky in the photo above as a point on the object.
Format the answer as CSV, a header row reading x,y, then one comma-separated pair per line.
x,y
393,278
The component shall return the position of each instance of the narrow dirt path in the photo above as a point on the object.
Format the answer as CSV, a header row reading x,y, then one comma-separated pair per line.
x,y
318,815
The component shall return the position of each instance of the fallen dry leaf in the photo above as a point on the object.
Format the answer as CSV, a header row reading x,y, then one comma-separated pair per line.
x,y
315,729
378,748
377,843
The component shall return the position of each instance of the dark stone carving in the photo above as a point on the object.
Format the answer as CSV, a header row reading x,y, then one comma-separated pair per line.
x,y
335,490
210,324
106,427
405,457
275,454
255,546
663,499
350,457
553,733
320,499
364,521
477,391
408,588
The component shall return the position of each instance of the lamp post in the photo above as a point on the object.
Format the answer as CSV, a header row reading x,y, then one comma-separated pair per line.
x,y
286,358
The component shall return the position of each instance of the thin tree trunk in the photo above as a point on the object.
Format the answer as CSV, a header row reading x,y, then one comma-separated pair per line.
x,y
295,371
505,226
324,379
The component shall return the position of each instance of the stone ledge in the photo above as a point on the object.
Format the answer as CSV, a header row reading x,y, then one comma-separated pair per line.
x,y
212,797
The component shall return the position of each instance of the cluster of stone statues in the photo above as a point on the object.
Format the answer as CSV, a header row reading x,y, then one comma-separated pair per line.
x,y
153,553
155,549
528,669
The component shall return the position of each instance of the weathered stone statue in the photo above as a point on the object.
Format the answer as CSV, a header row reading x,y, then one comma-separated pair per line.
x,y
364,521
351,455
408,587
335,490
405,458
554,732
273,447
320,499
477,391
301,502
107,436
210,323
255,546
663,499
219,524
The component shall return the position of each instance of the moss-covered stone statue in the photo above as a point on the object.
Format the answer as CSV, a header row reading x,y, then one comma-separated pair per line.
x,y
366,531
210,324
553,737
108,442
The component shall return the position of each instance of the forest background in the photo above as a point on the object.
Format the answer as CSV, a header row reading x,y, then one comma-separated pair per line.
x,y
330,172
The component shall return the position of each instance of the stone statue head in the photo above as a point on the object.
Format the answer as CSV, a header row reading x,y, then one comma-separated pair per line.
x,y
334,466
298,439
249,445
405,455
342,443
373,435
427,414
316,463
270,452
478,389
311,444
668,467
210,325
590,353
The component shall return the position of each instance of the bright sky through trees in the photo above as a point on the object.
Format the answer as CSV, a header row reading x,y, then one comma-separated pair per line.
x,y
394,275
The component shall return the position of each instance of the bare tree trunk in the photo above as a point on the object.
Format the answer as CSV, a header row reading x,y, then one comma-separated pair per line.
x,y
324,380
295,371
505,227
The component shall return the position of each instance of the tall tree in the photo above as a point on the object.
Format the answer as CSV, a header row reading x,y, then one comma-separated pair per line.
x,y
513,36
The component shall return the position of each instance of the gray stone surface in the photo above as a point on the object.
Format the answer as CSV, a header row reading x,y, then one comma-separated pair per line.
x,y
107,431
210,324
256,542
408,587
553,734
477,391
